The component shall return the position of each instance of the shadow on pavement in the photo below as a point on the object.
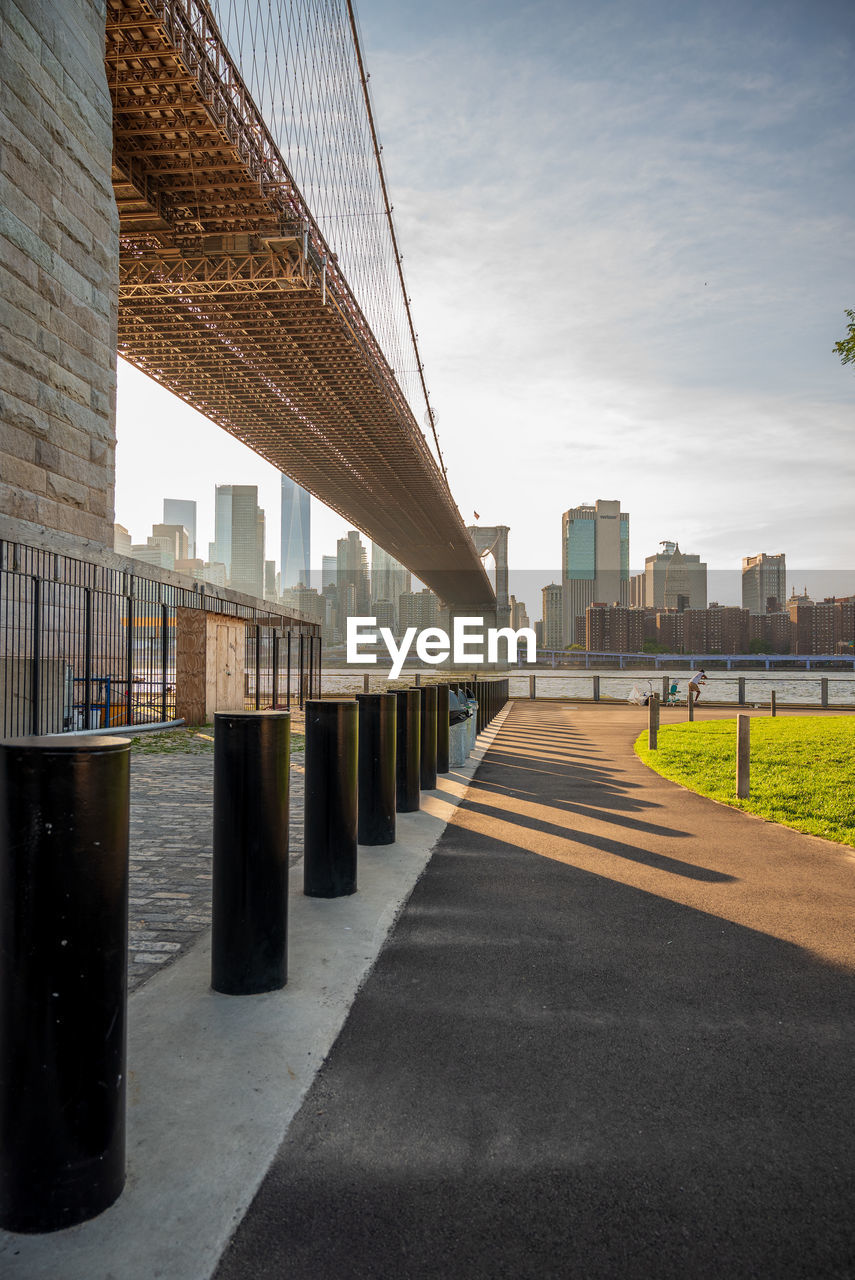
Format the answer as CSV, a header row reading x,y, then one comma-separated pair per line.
x,y
551,1073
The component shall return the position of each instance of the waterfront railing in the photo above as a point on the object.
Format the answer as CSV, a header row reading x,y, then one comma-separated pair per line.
x,y
790,689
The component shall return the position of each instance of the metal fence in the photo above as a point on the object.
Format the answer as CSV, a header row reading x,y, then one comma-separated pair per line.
x,y
794,689
282,667
86,646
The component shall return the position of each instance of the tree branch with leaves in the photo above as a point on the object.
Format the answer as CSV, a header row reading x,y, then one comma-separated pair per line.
x,y
846,348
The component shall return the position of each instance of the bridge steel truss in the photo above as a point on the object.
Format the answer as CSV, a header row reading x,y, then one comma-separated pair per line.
x,y
230,297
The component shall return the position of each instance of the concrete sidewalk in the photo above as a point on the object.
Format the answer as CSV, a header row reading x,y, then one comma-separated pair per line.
x,y
610,1036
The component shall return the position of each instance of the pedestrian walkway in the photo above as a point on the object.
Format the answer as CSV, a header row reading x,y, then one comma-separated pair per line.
x,y
610,1036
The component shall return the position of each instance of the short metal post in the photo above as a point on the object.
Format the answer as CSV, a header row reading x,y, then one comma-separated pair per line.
x,y
532,687
823,693
377,781
690,706
427,765
666,686
64,809
249,934
740,684
365,683
773,709
331,790
743,756
442,728
408,768
418,680
653,722
596,688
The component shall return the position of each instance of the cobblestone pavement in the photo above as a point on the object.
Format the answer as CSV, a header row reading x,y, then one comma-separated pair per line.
x,y
171,854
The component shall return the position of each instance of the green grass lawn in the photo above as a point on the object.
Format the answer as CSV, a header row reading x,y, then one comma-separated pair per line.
x,y
197,740
802,768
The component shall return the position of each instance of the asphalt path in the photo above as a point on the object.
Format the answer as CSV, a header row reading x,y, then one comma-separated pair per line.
x,y
611,1035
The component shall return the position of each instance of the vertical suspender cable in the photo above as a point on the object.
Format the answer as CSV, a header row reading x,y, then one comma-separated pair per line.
x,y
376,145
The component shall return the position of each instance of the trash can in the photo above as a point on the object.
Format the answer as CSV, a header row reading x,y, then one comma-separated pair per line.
x,y
460,723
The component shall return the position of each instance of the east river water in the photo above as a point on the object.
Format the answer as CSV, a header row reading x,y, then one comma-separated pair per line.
x,y
792,688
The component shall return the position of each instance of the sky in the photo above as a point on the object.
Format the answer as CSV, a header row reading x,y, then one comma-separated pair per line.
x,y
628,238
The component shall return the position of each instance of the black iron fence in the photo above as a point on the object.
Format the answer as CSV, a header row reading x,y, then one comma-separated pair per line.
x,y
87,646
283,667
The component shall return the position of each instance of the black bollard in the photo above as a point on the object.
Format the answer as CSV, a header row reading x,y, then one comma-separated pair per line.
x,y
64,805
409,750
249,934
330,824
427,767
442,728
377,783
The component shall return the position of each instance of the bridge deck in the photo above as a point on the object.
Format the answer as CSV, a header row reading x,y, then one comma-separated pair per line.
x,y
230,297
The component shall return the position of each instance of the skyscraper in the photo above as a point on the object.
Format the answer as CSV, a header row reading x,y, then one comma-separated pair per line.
x,y
419,609
673,580
177,538
182,511
295,535
764,580
239,537
389,579
594,560
352,581
552,620
329,571
220,550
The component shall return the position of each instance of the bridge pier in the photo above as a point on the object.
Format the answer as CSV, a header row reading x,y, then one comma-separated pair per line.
x,y
59,250
493,540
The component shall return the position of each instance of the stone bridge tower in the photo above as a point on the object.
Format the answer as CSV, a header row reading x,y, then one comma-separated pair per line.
x,y
59,256
493,540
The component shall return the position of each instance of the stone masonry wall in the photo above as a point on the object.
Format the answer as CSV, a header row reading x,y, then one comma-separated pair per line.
x,y
58,269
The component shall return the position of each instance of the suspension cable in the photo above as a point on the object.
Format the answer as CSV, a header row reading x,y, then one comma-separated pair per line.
x,y
366,95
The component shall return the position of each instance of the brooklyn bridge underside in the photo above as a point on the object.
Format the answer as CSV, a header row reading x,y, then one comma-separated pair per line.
x,y
230,298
